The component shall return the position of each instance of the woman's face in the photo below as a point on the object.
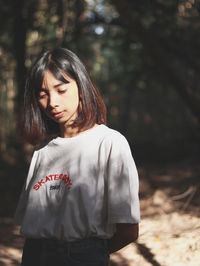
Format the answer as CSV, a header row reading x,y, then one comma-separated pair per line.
x,y
59,100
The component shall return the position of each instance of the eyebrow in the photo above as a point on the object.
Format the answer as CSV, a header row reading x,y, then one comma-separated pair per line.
x,y
59,84
55,86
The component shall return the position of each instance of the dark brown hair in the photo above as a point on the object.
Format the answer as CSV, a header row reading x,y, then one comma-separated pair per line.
x,y
35,125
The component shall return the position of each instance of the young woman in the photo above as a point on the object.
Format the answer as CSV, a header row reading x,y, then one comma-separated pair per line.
x,y
80,199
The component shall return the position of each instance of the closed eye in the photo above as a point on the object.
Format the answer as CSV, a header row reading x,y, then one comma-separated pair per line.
x,y
62,91
62,88
41,95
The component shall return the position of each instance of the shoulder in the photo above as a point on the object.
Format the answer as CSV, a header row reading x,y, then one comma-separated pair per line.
x,y
115,141
114,136
44,145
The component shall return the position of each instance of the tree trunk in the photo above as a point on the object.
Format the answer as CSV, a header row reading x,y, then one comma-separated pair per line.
x,y
19,43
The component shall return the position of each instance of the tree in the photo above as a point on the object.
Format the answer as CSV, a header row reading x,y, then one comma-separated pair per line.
x,y
168,32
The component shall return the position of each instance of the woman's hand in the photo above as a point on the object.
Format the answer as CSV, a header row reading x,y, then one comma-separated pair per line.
x,y
124,235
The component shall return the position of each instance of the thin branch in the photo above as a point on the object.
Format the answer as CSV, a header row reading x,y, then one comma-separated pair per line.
x,y
184,194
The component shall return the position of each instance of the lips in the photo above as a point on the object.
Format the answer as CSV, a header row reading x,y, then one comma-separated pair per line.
x,y
58,114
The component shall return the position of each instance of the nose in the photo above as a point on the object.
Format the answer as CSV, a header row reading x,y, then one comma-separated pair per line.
x,y
53,100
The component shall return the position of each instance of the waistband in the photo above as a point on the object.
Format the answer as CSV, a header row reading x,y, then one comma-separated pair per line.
x,y
92,241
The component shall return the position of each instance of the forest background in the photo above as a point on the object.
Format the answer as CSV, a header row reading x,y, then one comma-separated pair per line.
x,y
143,56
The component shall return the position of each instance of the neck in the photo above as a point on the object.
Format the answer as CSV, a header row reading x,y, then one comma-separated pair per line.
x,y
69,132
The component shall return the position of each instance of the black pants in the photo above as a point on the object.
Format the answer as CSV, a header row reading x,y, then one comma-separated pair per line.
x,y
49,252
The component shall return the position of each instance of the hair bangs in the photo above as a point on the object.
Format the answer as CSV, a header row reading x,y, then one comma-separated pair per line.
x,y
37,77
58,73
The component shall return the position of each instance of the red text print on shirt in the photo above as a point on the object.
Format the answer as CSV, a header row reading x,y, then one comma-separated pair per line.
x,y
65,178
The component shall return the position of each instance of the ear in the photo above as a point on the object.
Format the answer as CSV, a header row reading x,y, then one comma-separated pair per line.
x,y
80,105
80,101
80,95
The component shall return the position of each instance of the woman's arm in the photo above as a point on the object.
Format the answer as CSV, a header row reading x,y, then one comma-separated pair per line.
x,y
125,234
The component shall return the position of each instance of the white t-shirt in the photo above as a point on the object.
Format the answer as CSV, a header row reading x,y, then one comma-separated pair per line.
x,y
80,187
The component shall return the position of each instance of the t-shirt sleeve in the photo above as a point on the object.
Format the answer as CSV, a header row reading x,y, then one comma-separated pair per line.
x,y
123,185
19,213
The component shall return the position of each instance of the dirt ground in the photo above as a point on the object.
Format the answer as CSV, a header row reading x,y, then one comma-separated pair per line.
x,y
170,221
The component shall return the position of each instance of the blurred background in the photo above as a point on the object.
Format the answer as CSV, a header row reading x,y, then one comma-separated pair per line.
x,y
144,57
